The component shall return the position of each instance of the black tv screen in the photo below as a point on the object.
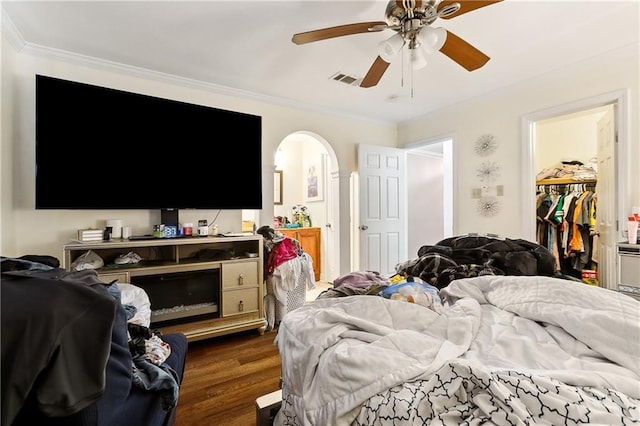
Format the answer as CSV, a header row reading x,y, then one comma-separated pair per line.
x,y
101,148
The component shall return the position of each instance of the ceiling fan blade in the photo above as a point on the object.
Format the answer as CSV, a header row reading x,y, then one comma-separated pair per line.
x,y
463,53
338,31
375,73
465,6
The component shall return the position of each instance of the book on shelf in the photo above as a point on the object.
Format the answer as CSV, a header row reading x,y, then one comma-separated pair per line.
x,y
90,235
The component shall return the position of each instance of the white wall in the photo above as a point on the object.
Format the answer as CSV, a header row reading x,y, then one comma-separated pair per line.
x,y
500,113
30,231
566,138
8,232
289,156
425,216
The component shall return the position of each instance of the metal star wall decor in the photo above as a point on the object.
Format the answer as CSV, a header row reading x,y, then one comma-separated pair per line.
x,y
486,145
488,206
488,171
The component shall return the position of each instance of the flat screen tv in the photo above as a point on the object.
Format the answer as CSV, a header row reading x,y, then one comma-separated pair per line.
x,y
101,148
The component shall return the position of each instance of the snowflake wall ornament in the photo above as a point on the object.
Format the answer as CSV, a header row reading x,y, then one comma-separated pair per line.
x,y
488,206
488,171
486,145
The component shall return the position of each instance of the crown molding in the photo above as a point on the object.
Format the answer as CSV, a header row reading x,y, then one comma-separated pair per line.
x,y
10,32
17,41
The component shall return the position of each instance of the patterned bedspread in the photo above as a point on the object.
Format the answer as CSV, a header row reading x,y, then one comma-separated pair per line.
x,y
507,350
460,394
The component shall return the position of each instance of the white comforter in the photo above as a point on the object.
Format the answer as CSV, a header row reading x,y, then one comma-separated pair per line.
x,y
338,354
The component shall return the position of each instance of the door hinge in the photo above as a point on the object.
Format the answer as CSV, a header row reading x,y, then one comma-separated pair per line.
x,y
617,225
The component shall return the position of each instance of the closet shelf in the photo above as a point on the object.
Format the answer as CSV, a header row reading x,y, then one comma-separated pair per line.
x,y
563,181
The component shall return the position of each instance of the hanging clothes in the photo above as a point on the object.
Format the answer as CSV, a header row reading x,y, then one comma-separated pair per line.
x,y
566,224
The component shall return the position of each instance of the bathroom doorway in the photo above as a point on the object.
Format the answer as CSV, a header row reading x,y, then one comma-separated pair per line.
x,y
297,154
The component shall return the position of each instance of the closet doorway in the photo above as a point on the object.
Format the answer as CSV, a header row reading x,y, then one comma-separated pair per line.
x,y
566,122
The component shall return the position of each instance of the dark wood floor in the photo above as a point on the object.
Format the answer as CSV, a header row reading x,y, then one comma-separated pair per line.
x,y
224,376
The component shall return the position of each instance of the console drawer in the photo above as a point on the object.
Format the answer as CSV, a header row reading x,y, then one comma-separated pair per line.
x,y
236,275
121,277
239,301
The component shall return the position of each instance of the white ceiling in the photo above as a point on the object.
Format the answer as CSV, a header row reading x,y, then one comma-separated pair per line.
x,y
246,46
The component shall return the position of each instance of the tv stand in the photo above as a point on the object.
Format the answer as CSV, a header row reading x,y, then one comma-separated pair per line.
x,y
231,267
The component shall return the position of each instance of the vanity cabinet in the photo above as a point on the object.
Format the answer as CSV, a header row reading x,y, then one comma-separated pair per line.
x,y
309,239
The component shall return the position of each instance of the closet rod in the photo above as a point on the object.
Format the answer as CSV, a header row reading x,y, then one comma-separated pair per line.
x,y
564,181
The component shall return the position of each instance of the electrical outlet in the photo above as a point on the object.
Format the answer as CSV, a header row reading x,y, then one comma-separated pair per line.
x,y
476,193
500,190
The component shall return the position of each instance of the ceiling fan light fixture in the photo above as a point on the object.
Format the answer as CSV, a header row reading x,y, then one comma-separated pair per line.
x,y
390,47
411,21
417,59
432,39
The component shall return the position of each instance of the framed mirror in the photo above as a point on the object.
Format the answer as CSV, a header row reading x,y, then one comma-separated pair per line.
x,y
277,187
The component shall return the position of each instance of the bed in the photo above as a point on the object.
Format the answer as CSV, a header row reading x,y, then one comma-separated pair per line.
x,y
505,349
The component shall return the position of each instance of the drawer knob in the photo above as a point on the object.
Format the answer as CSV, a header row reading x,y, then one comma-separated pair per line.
x,y
240,279
241,306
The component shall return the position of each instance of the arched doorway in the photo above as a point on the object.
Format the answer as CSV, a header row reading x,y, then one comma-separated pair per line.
x,y
296,154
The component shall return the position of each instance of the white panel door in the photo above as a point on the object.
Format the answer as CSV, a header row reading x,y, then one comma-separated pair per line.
x,y
606,213
382,218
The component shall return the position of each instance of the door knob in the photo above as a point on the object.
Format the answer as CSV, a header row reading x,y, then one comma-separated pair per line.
x,y
364,227
328,225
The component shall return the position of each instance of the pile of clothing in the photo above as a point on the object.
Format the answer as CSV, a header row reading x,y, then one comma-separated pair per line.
x,y
288,272
95,349
570,169
472,255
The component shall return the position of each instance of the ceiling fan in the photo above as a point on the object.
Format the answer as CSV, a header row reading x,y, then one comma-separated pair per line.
x,y
411,20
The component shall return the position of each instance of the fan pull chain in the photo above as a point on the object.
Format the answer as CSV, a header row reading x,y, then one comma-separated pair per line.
x,y
402,76
412,71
